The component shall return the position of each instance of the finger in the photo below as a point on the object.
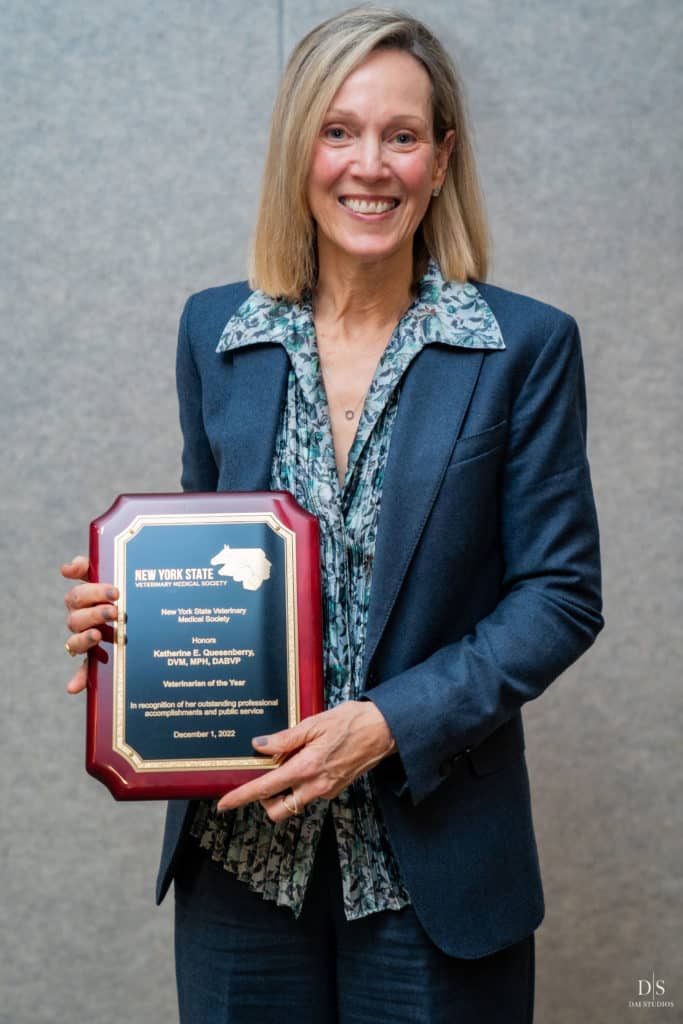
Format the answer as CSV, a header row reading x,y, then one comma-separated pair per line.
x,y
99,615
305,794
77,569
282,807
286,805
283,742
80,643
80,679
107,636
263,789
249,793
86,595
312,790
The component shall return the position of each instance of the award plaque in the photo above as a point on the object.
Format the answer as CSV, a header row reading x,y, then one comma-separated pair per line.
x,y
218,639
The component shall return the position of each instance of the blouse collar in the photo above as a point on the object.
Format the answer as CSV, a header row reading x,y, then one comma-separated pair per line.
x,y
444,312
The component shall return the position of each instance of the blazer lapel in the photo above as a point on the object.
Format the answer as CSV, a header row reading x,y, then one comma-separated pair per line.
x,y
258,384
435,395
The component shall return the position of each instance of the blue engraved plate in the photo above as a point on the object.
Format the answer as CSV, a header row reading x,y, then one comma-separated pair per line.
x,y
208,613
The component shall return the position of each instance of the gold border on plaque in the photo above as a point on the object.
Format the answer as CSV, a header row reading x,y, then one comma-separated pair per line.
x,y
137,524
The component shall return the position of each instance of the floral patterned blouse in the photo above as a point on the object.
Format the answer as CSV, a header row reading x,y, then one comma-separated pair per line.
x,y
276,859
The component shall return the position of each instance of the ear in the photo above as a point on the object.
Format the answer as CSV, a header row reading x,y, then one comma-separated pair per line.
x,y
442,156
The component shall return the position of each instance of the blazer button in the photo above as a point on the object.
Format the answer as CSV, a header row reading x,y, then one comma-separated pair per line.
x,y
460,756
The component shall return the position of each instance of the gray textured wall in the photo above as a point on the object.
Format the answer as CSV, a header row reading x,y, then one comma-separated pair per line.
x,y
132,141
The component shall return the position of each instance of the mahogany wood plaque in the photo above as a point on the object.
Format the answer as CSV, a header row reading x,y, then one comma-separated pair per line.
x,y
219,639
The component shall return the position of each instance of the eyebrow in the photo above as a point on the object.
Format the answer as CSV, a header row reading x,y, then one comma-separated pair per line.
x,y
349,115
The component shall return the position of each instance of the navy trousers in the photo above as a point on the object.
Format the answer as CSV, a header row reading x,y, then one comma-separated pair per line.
x,y
241,959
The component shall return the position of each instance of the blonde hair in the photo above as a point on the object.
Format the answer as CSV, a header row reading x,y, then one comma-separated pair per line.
x,y
283,259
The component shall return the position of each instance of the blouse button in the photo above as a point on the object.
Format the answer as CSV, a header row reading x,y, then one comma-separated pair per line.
x,y
324,493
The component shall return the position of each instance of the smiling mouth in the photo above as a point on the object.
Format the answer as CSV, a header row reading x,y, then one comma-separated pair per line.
x,y
369,205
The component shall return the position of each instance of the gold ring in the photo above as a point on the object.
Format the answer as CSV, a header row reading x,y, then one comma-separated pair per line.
x,y
67,648
293,808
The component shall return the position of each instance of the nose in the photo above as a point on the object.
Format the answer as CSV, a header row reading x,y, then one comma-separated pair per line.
x,y
369,162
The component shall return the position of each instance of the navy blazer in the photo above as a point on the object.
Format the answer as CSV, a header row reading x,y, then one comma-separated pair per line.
x,y
485,587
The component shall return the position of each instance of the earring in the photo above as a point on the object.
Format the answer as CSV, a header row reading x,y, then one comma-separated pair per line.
x,y
436,191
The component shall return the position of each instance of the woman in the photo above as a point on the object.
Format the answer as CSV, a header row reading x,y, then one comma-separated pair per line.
x,y
387,870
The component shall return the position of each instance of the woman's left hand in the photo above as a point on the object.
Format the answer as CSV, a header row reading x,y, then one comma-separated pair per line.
x,y
321,756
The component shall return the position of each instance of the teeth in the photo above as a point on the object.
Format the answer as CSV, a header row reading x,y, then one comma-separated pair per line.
x,y
376,206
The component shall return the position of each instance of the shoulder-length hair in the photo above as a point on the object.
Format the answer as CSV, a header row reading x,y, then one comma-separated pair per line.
x,y
283,259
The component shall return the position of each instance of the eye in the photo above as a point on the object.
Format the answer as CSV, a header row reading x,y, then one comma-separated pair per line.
x,y
404,138
334,133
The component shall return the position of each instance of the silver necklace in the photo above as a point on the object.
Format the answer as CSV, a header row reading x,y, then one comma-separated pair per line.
x,y
350,413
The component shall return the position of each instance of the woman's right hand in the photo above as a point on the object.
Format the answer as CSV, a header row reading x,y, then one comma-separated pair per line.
x,y
90,607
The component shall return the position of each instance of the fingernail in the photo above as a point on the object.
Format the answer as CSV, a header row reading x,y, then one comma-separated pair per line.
x,y
108,614
92,637
260,741
112,593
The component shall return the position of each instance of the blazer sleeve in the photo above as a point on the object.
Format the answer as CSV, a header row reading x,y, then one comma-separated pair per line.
x,y
550,606
199,470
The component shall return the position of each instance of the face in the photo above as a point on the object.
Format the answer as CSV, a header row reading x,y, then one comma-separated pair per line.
x,y
375,162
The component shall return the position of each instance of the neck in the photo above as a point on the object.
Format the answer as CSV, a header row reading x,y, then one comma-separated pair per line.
x,y
367,295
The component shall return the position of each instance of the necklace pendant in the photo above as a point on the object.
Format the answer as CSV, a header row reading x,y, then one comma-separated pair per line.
x,y
349,414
